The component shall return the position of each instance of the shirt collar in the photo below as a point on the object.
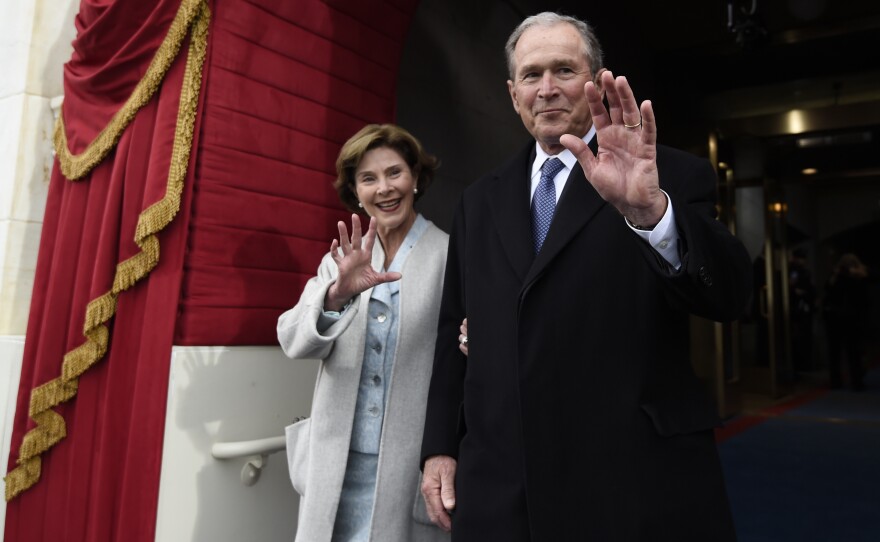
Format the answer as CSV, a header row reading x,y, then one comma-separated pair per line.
x,y
566,156
383,292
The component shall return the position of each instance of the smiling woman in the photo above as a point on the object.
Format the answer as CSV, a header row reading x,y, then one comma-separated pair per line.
x,y
352,317
380,171
385,188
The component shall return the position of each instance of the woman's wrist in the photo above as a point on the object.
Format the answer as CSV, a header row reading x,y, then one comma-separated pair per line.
x,y
333,301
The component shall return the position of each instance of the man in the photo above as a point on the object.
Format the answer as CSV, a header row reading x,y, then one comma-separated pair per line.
x,y
576,414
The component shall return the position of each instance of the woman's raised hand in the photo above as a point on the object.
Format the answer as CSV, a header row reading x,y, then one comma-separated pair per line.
x,y
353,256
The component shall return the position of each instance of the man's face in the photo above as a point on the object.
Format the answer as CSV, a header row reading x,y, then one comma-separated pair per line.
x,y
548,86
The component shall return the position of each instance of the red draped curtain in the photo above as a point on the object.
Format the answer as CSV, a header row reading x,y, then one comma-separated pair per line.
x,y
154,237
287,84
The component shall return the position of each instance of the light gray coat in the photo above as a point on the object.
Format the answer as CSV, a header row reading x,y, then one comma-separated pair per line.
x,y
317,448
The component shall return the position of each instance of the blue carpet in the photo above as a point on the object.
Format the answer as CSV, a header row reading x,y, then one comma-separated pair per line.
x,y
810,474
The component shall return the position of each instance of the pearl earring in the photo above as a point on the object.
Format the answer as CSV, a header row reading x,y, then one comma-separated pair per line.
x,y
361,205
415,190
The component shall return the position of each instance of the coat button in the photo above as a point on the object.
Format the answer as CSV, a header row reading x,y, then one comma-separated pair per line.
x,y
381,318
705,276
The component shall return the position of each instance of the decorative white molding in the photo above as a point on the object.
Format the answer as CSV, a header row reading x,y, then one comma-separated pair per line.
x,y
55,104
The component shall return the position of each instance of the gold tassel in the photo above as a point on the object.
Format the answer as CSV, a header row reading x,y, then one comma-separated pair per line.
x,y
75,167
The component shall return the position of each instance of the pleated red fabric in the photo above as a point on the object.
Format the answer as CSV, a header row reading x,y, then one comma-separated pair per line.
x,y
288,84
284,85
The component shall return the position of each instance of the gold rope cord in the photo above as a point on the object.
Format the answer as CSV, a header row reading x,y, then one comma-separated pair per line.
x,y
75,167
50,426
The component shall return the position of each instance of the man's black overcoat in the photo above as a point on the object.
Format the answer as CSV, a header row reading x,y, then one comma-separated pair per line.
x,y
577,415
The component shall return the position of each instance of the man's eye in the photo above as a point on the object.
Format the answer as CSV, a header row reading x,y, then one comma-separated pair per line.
x,y
530,76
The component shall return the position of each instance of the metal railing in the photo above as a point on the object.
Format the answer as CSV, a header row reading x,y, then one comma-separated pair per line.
x,y
255,453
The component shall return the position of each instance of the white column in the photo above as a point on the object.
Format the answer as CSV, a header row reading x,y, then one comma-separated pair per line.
x,y
35,41
35,38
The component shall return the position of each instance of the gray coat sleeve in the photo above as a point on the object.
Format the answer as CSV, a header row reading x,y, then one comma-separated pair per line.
x,y
297,328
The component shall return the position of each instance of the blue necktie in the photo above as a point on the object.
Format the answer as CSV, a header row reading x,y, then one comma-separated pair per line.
x,y
544,201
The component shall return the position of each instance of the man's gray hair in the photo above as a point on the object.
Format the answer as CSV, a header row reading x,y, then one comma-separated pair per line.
x,y
592,49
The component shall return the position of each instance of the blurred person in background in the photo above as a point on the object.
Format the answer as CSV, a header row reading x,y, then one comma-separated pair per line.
x,y
846,310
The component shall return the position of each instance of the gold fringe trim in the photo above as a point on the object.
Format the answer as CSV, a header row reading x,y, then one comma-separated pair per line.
x,y
75,167
50,426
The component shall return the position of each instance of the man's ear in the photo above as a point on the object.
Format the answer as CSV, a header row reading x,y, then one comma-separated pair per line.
x,y
512,90
600,86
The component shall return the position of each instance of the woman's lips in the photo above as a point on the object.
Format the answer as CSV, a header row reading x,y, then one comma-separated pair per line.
x,y
388,206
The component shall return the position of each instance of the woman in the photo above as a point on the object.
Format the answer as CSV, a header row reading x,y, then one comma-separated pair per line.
x,y
370,315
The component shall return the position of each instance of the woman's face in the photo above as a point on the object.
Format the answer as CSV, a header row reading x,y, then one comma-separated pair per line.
x,y
384,185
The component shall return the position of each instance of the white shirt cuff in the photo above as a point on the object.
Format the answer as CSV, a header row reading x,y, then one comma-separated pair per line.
x,y
664,237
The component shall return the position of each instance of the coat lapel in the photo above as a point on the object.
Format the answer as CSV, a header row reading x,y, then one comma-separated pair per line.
x,y
509,205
